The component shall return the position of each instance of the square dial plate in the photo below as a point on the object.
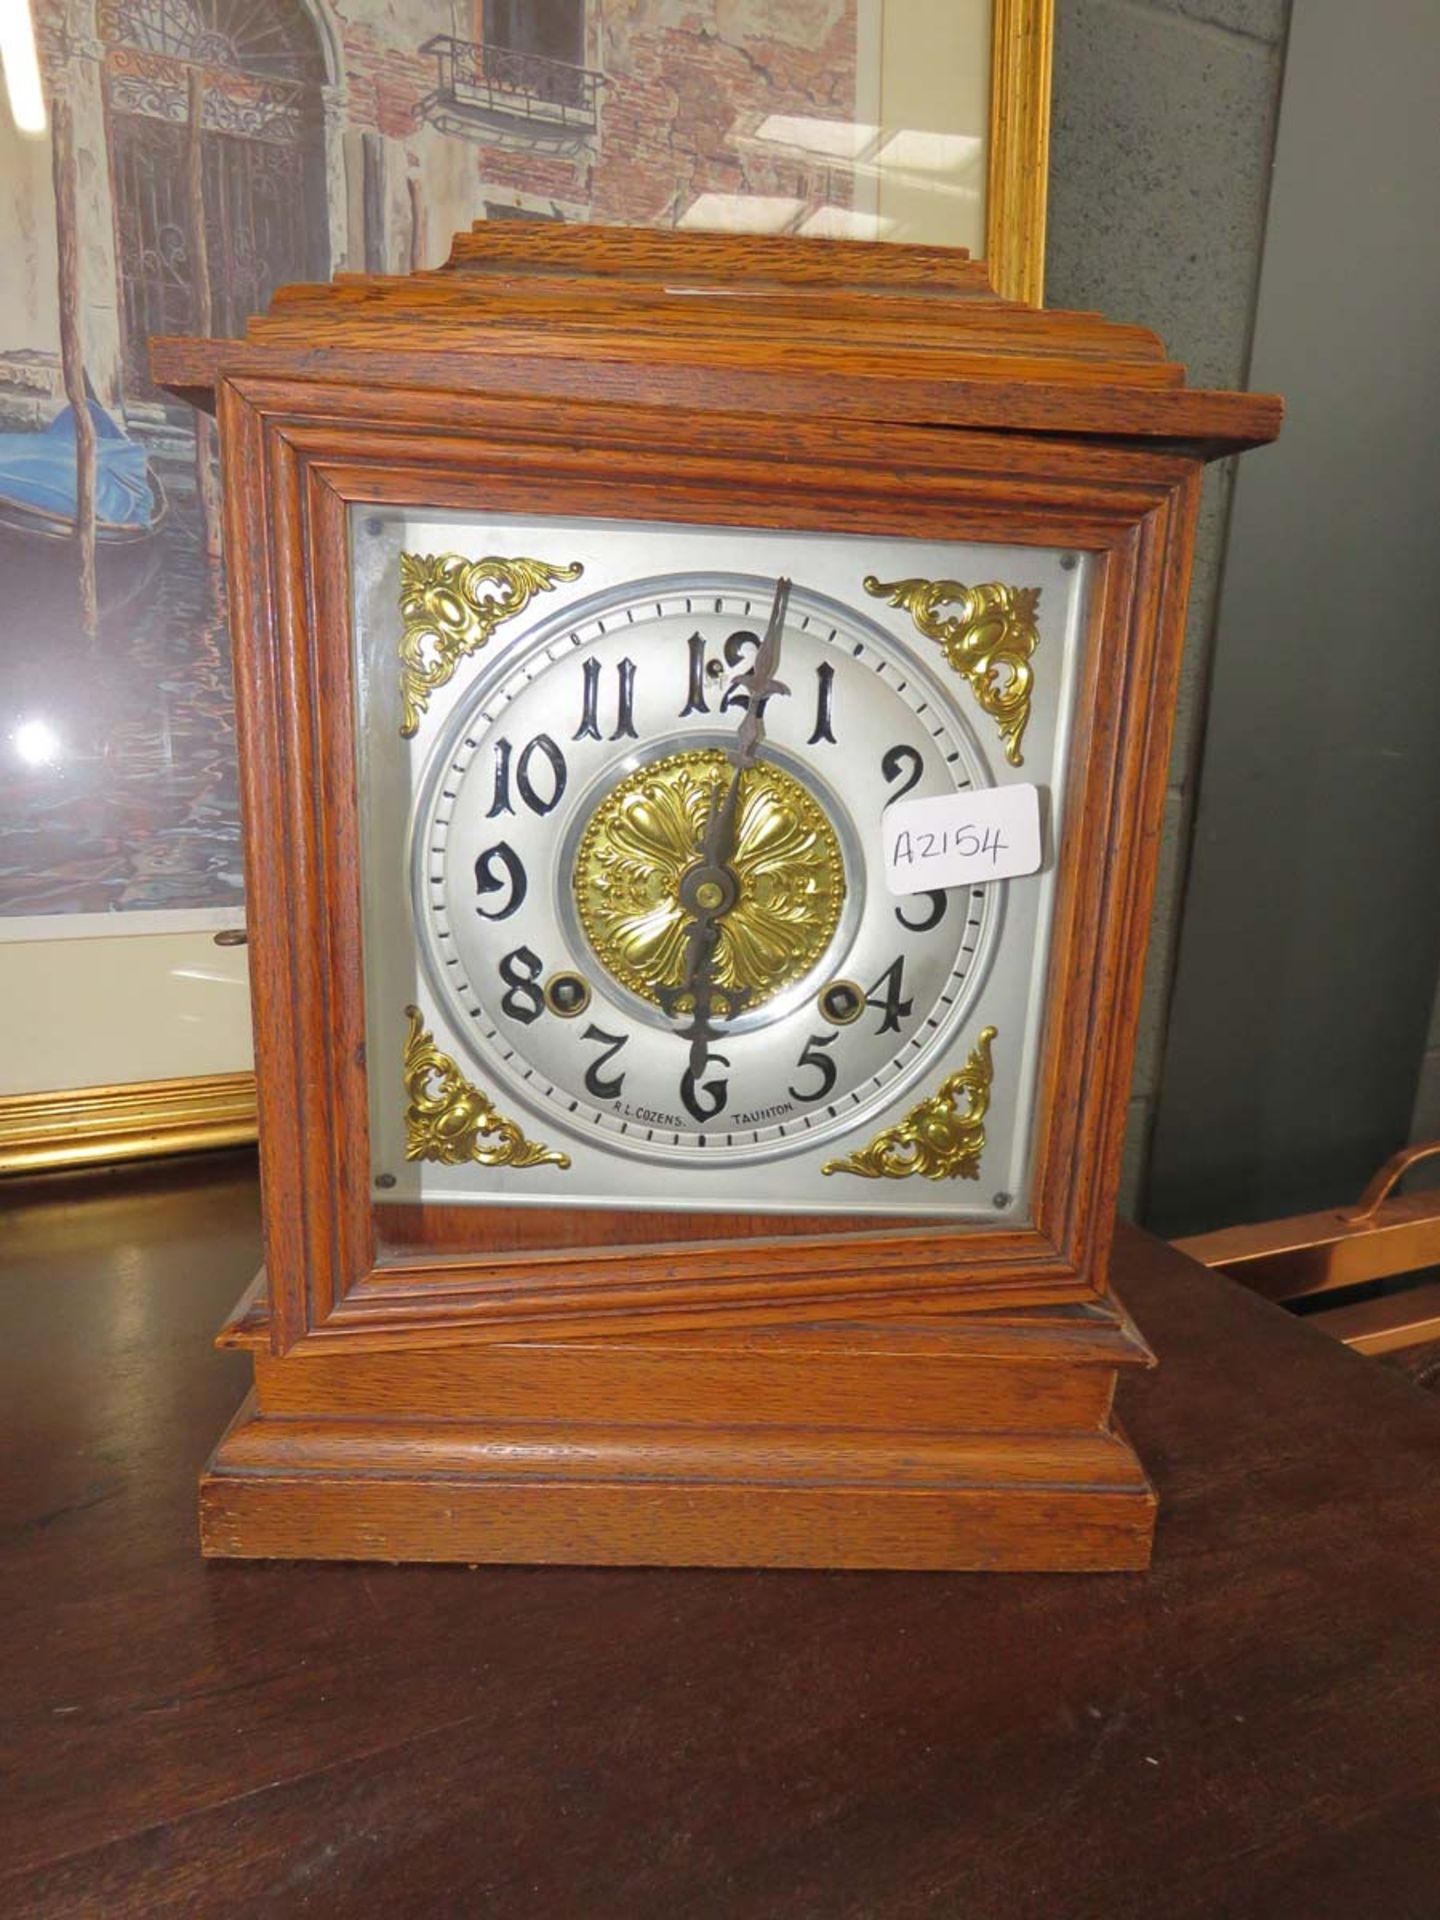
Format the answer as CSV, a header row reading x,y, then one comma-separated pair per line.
x,y
628,936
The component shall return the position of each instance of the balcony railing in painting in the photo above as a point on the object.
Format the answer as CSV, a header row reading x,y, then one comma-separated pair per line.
x,y
495,89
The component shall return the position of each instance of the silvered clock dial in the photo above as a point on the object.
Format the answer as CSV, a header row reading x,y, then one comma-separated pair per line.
x,y
629,938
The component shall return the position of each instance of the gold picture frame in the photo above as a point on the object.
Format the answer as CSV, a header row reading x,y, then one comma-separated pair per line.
x,y
125,1118
44,1132
1018,170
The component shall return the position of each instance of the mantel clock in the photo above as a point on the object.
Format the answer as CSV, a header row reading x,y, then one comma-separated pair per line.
x,y
703,713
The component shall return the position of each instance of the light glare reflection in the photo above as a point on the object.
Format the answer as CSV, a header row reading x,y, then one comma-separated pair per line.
x,y
845,223
37,743
742,213
913,150
836,139
22,67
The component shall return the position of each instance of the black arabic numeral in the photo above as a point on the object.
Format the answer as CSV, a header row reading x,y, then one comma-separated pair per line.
x,y
499,868
522,999
822,1062
534,800
824,704
695,701
893,764
717,1091
602,1089
938,899
501,803
892,1008
737,645
548,751
589,727
625,702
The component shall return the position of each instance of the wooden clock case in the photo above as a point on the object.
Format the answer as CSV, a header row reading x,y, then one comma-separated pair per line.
x,y
577,1385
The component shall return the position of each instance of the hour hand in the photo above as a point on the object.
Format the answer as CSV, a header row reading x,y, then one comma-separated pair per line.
x,y
707,892
703,998
698,983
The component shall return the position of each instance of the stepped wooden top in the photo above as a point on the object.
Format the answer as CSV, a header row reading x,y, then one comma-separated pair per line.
x,y
729,324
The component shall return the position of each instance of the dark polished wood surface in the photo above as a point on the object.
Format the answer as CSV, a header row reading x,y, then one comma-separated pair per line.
x,y
1251,1729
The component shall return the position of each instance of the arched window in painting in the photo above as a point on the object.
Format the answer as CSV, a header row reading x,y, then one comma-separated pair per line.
x,y
548,29
538,46
253,70
523,79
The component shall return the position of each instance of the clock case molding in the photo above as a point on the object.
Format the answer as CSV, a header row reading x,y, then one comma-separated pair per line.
x,y
680,1387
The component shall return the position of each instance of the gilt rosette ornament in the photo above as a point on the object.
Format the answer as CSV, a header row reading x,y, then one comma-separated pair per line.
x,y
643,839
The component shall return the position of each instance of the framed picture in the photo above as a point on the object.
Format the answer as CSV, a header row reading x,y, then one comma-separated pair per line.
x,y
194,159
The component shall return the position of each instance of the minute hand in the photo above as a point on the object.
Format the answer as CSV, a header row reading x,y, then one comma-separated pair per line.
x,y
698,984
757,683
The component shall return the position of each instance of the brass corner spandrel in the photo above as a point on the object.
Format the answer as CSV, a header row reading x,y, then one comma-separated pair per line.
x,y
988,641
451,1120
447,615
941,1137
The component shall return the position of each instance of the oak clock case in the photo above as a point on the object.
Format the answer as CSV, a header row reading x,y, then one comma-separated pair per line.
x,y
644,1181
564,1004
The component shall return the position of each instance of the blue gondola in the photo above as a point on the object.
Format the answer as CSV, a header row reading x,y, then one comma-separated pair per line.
x,y
39,564
38,480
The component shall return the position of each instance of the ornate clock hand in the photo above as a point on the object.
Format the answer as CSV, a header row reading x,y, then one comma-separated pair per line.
x,y
758,682
709,889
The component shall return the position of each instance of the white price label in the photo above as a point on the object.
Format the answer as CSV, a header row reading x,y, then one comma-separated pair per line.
x,y
958,839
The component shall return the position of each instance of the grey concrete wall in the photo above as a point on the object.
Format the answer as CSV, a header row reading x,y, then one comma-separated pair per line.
x,y
1161,145
1311,934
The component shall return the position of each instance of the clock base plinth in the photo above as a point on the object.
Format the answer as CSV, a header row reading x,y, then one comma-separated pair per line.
x,y
986,1443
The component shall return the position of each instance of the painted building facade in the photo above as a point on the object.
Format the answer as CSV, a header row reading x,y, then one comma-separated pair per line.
x,y
361,136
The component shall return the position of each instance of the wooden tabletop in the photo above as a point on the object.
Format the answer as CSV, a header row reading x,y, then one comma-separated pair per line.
x,y
1251,1729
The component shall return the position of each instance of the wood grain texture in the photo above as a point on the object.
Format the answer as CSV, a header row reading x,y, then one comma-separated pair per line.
x,y
798,328
1246,1730
403,1228
980,1442
1075,1508
530,468
659,253
1208,424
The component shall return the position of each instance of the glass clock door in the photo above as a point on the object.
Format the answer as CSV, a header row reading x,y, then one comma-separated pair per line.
x,y
640,927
